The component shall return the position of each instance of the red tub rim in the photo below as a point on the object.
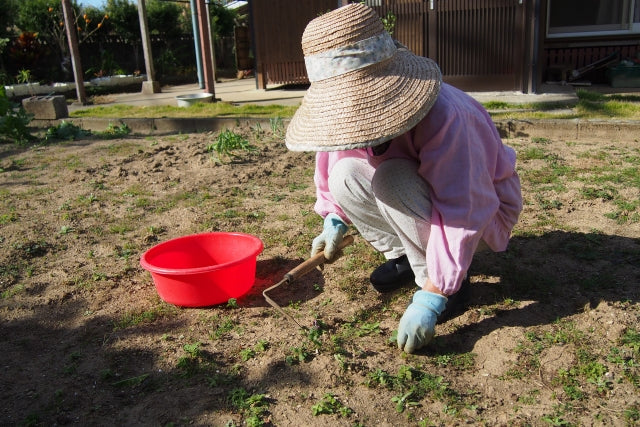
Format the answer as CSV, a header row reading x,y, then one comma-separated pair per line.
x,y
199,270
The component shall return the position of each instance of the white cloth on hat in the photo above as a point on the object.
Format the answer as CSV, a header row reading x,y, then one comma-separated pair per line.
x,y
344,59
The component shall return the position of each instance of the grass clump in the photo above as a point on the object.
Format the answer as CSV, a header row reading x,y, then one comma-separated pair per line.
x,y
413,385
592,105
215,109
589,105
137,317
227,142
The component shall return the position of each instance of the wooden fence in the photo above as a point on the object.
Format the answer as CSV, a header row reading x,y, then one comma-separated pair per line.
x,y
278,26
478,44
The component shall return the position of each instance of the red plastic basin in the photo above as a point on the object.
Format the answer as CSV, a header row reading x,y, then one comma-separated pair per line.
x,y
203,269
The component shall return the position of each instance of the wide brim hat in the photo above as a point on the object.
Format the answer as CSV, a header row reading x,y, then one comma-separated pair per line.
x,y
365,89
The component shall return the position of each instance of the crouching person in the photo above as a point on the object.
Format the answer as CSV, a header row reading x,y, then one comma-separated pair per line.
x,y
416,165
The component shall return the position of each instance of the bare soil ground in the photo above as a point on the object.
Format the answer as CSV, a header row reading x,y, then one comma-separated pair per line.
x,y
550,335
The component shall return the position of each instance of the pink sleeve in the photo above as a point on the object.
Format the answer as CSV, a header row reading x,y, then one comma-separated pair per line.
x,y
462,161
325,160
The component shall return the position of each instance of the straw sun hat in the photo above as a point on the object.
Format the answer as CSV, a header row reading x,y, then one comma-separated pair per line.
x,y
364,89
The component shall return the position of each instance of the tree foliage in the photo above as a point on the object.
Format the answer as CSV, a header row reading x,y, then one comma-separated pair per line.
x,y
43,20
164,18
222,19
7,17
123,19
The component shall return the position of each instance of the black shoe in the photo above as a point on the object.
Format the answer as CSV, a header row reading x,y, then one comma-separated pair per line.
x,y
456,303
392,275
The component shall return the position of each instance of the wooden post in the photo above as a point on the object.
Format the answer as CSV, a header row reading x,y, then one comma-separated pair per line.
x,y
72,38
205,45
151,85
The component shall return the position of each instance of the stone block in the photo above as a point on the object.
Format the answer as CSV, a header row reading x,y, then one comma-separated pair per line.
x,y
46,107
149,87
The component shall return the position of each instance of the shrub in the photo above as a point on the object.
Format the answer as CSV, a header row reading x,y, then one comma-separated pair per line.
x,y
13,121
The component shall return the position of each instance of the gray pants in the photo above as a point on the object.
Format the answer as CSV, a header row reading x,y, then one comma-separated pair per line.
x,y
389,205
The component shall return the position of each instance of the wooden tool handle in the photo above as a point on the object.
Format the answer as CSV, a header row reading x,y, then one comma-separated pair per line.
x,y
314,261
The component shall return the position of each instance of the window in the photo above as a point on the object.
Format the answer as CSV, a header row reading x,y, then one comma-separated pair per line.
x,y
578,18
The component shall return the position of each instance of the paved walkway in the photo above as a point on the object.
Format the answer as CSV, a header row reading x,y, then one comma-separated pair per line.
x,y
234,91
244,91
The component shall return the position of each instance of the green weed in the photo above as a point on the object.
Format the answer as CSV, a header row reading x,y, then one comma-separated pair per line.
x,y
603,193
136,190
556,420
12,291
136,317
540,140
631,339
298,355
497,105
227,142
369,328
121,229
462,361
404,401
414,385
65,131
277,126
247,353
262,345
65,229
254,407
257,131
72,162
122,147
194,360
552,174
115,131
193,349
546,204
532,153
330,405
12,216
314,334
529,398
222,328
632,414
131,382
125,252
625,212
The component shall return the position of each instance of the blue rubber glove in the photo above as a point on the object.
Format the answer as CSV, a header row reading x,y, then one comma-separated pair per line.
x,y
332,234
418,323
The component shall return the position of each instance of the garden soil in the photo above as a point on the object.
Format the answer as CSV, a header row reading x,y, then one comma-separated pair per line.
x,y
548,337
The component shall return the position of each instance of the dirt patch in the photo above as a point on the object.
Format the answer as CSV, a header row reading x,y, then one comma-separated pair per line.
x,y
550,336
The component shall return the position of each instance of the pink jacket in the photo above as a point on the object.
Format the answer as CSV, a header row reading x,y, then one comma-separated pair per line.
x,y
475,188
